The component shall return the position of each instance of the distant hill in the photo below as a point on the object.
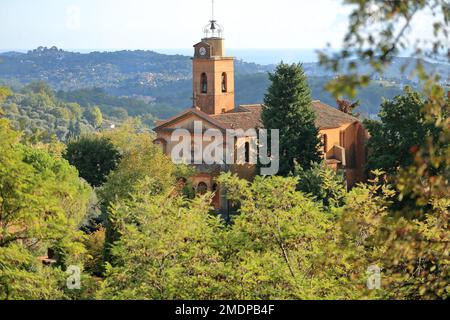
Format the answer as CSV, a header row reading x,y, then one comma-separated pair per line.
x,y
65,70
165,80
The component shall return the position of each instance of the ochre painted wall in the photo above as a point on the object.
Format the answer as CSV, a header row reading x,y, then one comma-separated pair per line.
x,y
214,101
351,137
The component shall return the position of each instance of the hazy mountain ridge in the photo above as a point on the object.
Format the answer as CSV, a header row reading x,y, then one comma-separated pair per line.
x,y
166,79
66,70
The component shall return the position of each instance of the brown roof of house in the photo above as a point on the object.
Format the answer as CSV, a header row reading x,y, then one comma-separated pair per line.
x,y
244,117
185,113
249,116
328,117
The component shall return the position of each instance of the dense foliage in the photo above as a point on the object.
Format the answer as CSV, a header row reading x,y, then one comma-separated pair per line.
x,y
39,111
399,134
302,237
298,237
4,93
143,166
118,107
172,248
287,108
36,111
417,247
42,202
94,157
323,183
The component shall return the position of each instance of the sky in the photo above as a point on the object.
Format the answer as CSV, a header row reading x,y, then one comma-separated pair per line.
x,y
171,24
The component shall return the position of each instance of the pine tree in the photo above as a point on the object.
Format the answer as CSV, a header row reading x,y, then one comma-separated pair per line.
x,y
287,107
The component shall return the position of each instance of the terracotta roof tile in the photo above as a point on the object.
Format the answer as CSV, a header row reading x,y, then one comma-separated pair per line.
x,y
185,113
249,116
328,117
245,117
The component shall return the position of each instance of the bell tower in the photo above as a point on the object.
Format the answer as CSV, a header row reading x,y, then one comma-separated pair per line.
x,y
213,72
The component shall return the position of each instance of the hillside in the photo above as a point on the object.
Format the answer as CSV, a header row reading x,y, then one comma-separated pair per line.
x,y
37,112
164,81
65,70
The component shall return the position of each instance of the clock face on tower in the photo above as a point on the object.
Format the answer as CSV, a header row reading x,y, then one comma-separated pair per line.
x,y
202,51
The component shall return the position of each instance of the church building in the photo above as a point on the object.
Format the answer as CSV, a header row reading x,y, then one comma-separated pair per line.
x,y
214,106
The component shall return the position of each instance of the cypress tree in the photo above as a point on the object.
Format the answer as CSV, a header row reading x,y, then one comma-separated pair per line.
x,y
287,107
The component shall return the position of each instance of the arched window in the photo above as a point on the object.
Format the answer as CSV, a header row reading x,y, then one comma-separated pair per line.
x,y
224,82
204,83
202,188
247,152
325,144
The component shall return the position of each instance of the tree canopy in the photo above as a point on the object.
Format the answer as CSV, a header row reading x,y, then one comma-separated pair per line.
x,y
42,202
287,107
399,134
94,157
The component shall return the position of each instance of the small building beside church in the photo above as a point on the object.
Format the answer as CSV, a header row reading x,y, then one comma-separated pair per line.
x,y
214,106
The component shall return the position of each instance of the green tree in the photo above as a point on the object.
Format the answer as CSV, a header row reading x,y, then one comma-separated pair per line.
x,y
141,158
42,115
165,250
412,253
417,248
323,183
119,113
23,277
75,109
94,157
94,243
39,87
417,255
4,93
74,129
287,107
42,203
399,134
94,116
142,163
282,245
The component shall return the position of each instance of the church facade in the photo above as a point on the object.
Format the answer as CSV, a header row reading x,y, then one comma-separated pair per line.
x,y
214,107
